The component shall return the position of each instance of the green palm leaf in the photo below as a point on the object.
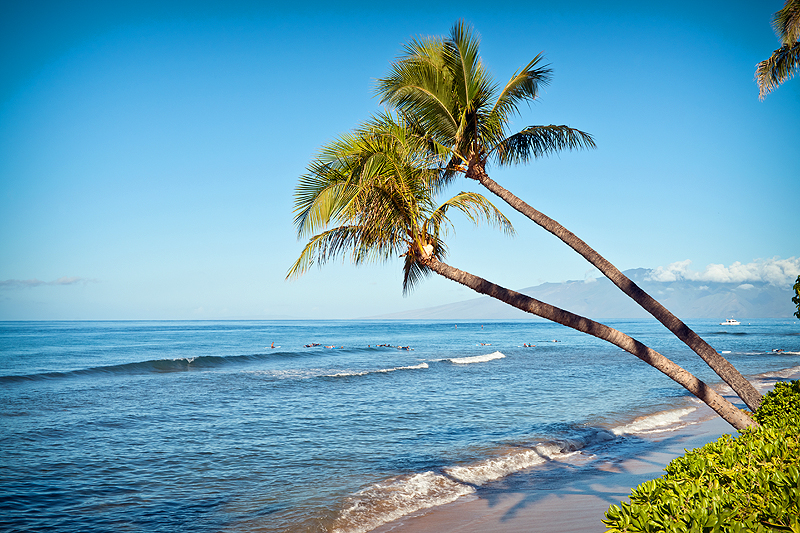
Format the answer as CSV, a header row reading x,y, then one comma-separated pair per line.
x,y
324,247
419,81
538,141
473,85
781,66
475,207
784,62
522,87
786,22
413,273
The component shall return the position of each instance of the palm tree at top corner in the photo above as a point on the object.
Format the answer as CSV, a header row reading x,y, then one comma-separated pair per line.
x,y
785,61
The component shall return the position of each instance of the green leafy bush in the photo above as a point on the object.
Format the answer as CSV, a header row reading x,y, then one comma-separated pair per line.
x,y
750,483
780,406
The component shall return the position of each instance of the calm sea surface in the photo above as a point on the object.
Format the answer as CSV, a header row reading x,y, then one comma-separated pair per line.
x,y
203,426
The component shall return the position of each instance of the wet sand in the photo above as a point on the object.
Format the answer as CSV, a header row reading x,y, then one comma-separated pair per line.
x,y
548,499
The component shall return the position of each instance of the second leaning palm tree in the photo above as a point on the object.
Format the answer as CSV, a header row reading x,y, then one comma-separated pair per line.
x,y
441,86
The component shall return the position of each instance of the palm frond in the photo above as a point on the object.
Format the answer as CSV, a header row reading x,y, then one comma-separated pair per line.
x,y
786,23
522,87
318,201
475,207
472,83
473,87
418,81
326,191
538,141
413,273
781,66
324,247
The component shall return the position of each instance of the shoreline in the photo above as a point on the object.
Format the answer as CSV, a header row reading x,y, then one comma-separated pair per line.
x,y
548,499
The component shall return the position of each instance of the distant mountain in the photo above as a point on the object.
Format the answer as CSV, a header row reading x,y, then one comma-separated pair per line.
x,y
599,298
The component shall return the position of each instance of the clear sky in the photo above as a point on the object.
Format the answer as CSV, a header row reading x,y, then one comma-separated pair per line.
x,y
149,150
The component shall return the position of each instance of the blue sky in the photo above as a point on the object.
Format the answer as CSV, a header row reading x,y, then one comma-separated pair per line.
x,y
149,150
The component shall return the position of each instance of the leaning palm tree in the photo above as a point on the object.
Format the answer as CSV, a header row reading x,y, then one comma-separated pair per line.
x,y
442,87
377,188
785,61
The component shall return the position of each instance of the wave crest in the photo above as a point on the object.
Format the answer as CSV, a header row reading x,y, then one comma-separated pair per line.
x,y
380,371
179,364
663,421
477,358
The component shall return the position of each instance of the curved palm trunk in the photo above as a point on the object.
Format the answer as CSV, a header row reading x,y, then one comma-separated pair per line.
x,y
720,405
720,365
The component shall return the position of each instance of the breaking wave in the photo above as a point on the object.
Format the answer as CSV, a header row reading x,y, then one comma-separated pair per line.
x,y
656,423
397,497
180,364
381,371
499,467
477,358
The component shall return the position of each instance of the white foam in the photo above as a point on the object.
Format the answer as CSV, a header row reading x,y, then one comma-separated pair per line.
x,y
286,374
477,358
412,367
783,374
346,374
499,467
397,497
768,380
664,421
382,370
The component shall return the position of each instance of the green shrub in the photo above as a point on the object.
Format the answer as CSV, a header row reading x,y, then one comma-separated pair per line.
x,y
750,483
781,405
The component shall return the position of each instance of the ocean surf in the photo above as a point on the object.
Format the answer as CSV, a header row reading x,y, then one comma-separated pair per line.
x,y
170,426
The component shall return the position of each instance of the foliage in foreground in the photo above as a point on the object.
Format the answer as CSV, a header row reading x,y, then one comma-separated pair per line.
x,y
748,483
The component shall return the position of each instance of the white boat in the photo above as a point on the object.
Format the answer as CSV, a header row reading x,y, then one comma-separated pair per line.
x,y
730,322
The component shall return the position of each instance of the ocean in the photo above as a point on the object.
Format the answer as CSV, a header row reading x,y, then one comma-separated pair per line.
x,y
341,427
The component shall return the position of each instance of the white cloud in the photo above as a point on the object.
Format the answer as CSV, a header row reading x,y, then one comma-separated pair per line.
x,y
746,286
774,271
673,272
29,283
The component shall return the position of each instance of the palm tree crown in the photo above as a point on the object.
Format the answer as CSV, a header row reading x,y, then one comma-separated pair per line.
x,y
379,185
443,85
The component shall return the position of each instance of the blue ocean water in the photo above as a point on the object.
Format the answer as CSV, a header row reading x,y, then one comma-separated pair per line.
x,y
340,427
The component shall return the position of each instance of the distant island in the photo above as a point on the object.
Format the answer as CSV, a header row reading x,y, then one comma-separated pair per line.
x,y
599,298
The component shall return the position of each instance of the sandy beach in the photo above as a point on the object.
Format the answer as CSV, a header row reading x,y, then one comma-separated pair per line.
x,y
545,500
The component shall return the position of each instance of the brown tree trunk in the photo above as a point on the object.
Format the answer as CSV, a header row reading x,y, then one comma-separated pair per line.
x,y
720,405
720,365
